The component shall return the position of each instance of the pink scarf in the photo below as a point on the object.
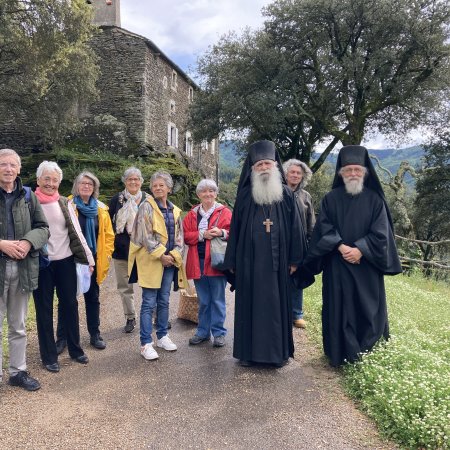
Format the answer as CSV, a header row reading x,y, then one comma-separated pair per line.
x,y
44,198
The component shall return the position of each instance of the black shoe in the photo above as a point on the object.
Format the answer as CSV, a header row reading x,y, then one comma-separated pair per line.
x,y
98,342
60,345
245,363
23,380
82,359
52,367
194,340
219,341
129,326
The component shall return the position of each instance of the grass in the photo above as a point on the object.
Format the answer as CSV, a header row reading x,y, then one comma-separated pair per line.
x,y
31,325
404,384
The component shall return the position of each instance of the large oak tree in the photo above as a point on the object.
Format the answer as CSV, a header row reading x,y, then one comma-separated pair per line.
x,y
326,70
47,69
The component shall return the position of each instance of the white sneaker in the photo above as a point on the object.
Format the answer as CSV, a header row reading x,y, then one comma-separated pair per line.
x,y
148,352
166,343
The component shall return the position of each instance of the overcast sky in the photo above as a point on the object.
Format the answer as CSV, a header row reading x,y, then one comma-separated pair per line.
x,y
184,29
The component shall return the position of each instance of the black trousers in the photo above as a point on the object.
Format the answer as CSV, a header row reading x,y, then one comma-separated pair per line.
x,y
92,303
62,276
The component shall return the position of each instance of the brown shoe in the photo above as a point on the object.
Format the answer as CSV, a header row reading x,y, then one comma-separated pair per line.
x,y
299,323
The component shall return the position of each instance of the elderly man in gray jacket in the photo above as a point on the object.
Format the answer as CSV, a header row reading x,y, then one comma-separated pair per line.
x,y
23,231
297,176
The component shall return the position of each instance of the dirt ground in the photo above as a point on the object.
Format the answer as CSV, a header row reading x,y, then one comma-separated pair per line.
x,y
196,397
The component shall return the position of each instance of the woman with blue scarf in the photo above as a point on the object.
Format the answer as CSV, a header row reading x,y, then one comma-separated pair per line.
x,y
97,229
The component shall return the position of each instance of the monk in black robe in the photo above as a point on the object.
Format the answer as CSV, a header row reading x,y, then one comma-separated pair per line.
x,y
353,244
265,246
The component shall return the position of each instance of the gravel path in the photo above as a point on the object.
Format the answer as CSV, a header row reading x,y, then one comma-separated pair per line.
x,y
197,397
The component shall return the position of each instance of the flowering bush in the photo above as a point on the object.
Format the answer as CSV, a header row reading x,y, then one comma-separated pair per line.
x,y
403,384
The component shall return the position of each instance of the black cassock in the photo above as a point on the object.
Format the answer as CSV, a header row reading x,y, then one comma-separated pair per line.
x,y
263,312
354,313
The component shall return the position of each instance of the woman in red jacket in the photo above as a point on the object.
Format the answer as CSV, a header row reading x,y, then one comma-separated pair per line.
x,y
204,222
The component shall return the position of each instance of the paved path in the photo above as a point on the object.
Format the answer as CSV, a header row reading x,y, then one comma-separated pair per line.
x,y
197,397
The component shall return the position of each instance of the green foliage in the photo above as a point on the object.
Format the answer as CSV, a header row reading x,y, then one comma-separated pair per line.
x,y
320,184
229,171
109,168
323,69
47,69
98,134
432,207
403,384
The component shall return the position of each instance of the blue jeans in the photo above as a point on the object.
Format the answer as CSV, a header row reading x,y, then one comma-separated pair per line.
x,y
159,299
212,309
297,303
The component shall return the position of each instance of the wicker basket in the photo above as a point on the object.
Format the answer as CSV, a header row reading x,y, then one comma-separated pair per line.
x,y
188,306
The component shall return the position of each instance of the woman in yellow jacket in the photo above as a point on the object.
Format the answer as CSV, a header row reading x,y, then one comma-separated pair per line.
x,y
156,252
97,229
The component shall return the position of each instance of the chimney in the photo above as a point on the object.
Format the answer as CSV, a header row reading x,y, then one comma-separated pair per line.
x,y
106,12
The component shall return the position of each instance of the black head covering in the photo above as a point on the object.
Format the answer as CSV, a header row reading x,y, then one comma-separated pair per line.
x,y
358,155
353,154
258,151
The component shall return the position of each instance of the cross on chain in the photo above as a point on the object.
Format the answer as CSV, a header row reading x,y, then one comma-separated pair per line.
x,y
267,223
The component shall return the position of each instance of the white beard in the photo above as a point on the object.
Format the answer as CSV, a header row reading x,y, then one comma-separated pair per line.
x,y
267,187
354,187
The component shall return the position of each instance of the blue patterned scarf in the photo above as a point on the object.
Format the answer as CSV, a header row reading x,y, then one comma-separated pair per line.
x,y
90,211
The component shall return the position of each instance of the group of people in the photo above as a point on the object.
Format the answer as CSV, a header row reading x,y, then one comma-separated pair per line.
x,y
274,249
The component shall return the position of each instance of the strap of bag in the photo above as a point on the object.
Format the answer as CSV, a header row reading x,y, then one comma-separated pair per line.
x,y
218,217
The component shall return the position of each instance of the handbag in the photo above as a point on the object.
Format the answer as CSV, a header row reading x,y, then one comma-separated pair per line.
x,y
83,278
217,249
188,305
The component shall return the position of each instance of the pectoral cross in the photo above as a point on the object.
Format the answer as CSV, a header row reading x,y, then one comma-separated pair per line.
x,y
267,223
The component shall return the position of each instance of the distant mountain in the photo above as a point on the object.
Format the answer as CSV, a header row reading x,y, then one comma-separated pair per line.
x,y
228,155
389,158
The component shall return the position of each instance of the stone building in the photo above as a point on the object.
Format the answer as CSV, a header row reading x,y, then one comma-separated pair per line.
x,y
141,88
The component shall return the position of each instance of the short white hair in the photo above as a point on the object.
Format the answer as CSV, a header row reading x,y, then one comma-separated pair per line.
x,y
49,166
10,152
164,176
132,171
205,184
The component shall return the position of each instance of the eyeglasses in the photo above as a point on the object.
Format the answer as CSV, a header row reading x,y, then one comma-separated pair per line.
x,y
86,183
349,170
4,165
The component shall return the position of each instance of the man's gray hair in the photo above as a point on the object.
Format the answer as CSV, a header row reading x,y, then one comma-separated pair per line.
x,y
92,177
307,172
10,152
164,176
132,171
205,184
49,166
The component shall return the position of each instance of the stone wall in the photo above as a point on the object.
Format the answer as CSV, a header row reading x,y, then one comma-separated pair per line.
x,y
122,65
142,88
